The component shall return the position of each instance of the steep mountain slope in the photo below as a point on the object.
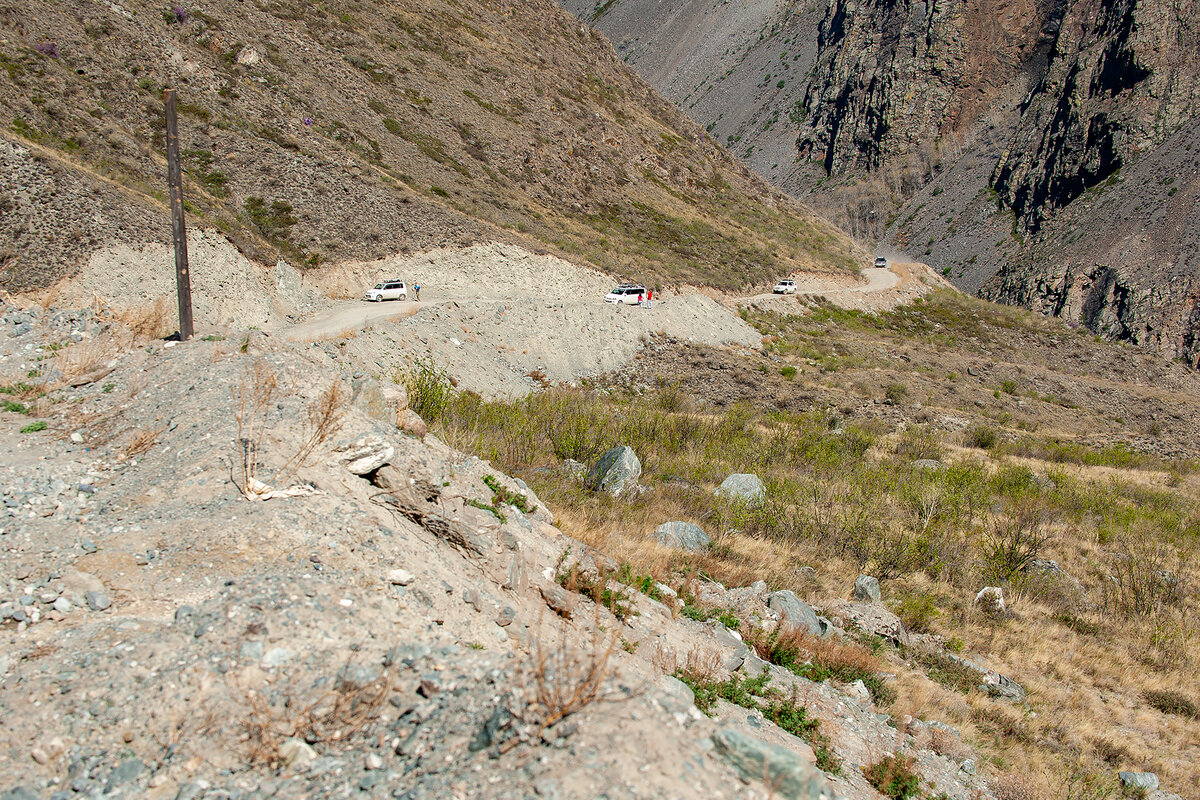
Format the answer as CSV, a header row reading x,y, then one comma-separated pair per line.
x,y
324,131
976,136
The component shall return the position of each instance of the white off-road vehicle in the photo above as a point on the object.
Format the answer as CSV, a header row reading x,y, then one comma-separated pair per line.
x,y
627,293
388,290
785,287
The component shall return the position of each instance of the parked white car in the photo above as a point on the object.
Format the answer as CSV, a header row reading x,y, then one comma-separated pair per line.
x,y
627,293
785,287
388,290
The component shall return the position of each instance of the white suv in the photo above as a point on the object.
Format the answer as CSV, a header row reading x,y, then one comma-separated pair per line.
x,y
785,287
627,293
388,290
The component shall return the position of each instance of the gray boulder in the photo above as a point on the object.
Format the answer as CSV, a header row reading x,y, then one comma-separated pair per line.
x,y
683,535
617,471
866,588
788,775
794,613
1147,781
742,486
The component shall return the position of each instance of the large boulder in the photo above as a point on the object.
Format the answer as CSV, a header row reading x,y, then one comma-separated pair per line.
x,y
1144,781
794,614
744,487
683,535
365,454
786,773
616,472
870,618
866,588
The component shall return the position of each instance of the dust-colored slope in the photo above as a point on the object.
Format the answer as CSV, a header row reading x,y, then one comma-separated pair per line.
x,y
340,130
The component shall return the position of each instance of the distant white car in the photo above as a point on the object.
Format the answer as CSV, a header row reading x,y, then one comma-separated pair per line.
x,y
627,293
388,290
785,287
880,263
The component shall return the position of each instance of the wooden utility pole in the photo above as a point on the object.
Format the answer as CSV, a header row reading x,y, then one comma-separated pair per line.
x,y
183,279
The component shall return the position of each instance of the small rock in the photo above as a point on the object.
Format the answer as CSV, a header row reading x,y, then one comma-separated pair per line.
x,y
373,761
400,577
62,605
277,657
559,600
98,601
47,750
296,753
866,588
77,437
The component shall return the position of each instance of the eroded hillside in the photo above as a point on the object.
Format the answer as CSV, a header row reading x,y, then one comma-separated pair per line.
x,y
321,132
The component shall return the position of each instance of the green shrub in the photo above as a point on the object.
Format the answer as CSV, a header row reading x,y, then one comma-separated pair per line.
x,y
981,436
895,392
430,389
786,711
34,427
894,777
788,372
917,612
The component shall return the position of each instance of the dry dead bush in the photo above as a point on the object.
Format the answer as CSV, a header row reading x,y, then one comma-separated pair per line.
x,y
328,716
561,680
90,360
149,321
949,744
1017,786
254,396
141,443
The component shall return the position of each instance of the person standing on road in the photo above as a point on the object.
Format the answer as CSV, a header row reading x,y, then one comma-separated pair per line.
x,y
649,298
640,297
417,292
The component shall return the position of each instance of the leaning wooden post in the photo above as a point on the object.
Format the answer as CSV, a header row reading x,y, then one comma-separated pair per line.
x,y
183,280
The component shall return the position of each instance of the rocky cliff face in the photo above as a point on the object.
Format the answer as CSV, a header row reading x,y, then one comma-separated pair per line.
x,y
892,78
1120,78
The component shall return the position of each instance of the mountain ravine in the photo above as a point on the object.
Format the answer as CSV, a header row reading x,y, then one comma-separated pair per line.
x,y
1035,152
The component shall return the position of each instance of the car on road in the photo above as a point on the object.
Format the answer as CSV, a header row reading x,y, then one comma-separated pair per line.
x,y
880,263
388,290
785,287
627,293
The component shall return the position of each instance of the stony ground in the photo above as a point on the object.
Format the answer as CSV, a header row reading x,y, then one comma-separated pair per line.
x,y
386,627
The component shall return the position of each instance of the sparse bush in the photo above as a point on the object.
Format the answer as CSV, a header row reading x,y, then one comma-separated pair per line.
x,y
1169,701
563,680
945,670
332,715
821,659
430,390
1015,540
981,437
895,393
894,777
256,394
275,220
788,372
919,442
34,427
